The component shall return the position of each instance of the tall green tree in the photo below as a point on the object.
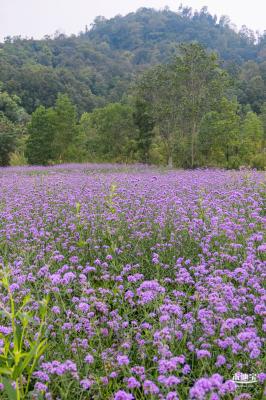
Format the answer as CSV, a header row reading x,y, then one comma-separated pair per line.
x,y
66,129
157,94
145,123
219,136
111,134
7,139
41,130
263,119
251,85
252,140
178,96
201,85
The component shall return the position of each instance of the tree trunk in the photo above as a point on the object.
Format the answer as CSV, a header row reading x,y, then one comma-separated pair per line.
x,y
193,140
170,161
227,156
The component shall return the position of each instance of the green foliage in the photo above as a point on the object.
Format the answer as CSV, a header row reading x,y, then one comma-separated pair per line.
x,y
12,126
41,132
158,152
200,84
53,133
263,120
252,140
118,106
151,35
156,90
195,124
219,136
251,85
23,346
145,124
178,96
110,133
65,125
8,138
97,66
10,107
18,157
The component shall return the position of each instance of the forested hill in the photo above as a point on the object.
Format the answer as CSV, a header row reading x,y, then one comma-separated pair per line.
x,y
151,35
97,66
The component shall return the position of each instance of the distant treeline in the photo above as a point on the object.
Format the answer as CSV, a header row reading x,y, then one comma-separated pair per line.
x,y
127,90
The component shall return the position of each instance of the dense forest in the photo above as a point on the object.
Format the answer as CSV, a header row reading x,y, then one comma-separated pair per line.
x,y
182,89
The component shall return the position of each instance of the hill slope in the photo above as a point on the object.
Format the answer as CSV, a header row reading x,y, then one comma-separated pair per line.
x,y
97,66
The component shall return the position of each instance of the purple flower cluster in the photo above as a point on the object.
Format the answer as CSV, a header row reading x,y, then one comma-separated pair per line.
x,y
213,386
156,279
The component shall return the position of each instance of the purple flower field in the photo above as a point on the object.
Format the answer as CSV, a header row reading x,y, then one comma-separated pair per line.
x,y
131,283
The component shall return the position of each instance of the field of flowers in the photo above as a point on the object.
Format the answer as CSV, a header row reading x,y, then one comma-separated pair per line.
x,y
131,284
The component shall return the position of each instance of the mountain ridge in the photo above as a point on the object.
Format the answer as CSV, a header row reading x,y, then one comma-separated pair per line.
x,y
98,65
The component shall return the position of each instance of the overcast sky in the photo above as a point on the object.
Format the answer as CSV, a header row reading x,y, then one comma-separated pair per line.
x,y
40,17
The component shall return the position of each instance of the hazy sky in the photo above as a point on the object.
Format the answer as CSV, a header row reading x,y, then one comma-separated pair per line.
x,y
39,17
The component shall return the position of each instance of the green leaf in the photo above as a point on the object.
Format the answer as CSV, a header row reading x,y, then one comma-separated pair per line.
x,y
26,300
41,348
36,351
24,364
81,243
9,390
78,205
5,371
43,308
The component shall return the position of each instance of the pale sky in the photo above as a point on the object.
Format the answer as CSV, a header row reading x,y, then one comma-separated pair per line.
x,y
40,17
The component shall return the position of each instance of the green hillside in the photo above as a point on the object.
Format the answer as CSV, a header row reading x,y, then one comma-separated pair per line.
x,y
97,66
178,88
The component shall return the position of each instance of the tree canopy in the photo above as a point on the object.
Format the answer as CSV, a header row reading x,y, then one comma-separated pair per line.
x,y
97,66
